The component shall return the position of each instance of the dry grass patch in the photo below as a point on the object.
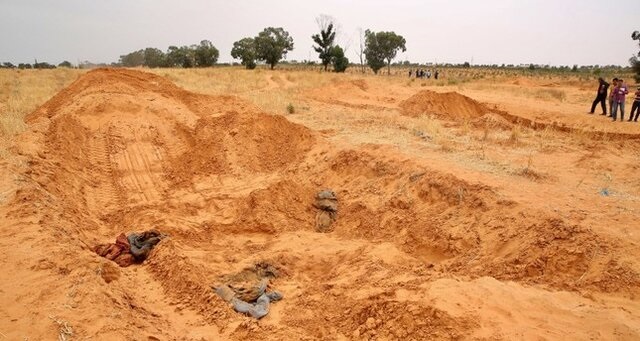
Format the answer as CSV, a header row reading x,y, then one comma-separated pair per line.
x,y
550,94
515,136
21,92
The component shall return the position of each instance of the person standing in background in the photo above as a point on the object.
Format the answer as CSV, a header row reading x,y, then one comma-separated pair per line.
x,y
613,88
619,94
601,96
636,105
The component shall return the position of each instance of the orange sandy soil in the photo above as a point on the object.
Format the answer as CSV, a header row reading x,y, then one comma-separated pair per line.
x,y
500,211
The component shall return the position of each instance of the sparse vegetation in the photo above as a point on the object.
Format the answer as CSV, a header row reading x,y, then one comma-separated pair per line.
x,y
22,92
516,133
65,332
528,172
553,94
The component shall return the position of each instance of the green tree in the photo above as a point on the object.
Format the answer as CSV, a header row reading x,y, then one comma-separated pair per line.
x,y
339,61
153,57
635,62
245,50
272,44
325,40
205,54
43,65
66,64
132,59
180,57
381,48
373,52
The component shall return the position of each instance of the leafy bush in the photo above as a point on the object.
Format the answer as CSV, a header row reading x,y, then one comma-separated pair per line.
x,y
340,62
245,50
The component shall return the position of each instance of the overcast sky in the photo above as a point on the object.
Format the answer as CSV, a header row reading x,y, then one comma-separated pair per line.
x,y
557,32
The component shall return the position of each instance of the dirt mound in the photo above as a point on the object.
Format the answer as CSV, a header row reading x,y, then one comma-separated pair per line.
x,y
358,83
239,143
448,105
451,223
339,89
493,121
355,94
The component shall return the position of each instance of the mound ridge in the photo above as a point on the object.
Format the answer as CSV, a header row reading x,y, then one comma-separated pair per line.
x,y
448,105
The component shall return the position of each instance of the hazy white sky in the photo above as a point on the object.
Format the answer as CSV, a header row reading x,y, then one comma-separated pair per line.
x,y
559,32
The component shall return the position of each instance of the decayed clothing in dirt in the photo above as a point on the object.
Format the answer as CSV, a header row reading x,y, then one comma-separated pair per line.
x,y
141,244
130,249
327,203
247,290
118,252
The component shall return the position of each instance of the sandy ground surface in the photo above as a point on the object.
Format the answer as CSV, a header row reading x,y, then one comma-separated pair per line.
x,y
476,211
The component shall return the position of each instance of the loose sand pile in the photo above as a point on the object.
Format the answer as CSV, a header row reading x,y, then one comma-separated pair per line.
x,y
448,105
123,150
354,93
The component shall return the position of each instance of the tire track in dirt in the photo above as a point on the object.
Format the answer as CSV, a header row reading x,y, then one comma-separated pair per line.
x,y
104,192
137,163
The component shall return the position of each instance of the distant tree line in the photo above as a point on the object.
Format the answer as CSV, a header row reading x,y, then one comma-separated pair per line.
x,y
201,55
35,65
271,45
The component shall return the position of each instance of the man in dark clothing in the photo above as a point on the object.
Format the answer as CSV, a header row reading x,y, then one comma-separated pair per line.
x,y
435,75
601,96
636,106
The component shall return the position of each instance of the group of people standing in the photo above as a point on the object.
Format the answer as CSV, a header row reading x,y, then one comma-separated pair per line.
x,y
617,97
424,74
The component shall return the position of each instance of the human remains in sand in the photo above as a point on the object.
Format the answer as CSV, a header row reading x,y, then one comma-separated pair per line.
x,y
327,204
127,250
248,290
